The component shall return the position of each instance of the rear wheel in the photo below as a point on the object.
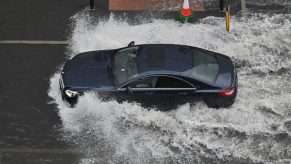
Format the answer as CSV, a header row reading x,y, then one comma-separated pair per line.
x,y
218,101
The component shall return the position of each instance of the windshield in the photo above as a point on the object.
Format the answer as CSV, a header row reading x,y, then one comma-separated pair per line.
x,y
125,64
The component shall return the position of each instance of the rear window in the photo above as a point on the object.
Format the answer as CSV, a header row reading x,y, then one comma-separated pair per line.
x,y
205,66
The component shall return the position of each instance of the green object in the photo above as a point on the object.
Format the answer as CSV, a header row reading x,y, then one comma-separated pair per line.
x,y
189,19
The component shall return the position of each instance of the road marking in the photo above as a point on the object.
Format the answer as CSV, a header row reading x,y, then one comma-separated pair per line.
x,y
39,151
44,42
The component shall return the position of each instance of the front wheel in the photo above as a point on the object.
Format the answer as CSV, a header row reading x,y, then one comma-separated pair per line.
x,y
218,101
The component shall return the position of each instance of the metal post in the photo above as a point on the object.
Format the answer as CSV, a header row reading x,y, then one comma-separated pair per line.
x,y
221,5
243,6
92,6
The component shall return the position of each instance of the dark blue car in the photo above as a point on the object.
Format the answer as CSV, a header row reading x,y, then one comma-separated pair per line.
x,y
152,74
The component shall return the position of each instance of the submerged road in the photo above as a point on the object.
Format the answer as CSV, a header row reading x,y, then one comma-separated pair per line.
x,y
33,36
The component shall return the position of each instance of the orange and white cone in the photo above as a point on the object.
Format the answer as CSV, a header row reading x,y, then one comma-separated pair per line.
x,y
185,13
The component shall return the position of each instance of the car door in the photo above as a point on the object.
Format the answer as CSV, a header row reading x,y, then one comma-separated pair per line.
x,y
139,90
171,90
157,91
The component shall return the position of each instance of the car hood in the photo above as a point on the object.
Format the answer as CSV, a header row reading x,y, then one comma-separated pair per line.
x,y
88,70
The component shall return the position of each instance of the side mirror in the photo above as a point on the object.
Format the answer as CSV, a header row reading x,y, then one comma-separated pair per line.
x,y
131,44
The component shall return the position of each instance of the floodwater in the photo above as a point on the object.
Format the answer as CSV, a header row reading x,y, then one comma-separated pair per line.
x,y
256,129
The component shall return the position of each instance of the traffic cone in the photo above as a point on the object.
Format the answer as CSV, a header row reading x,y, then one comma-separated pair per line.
x,y
185,14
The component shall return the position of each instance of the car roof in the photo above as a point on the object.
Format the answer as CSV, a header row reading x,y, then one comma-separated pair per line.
x,y
164,58
184,61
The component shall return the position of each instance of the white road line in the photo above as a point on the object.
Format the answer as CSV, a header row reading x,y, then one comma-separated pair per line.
x,y
39,151
44,42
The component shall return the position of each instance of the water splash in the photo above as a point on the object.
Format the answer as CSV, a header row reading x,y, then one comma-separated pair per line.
x,y
254,129
269,3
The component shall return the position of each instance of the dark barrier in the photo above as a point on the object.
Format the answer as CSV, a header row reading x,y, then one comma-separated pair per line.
x,y
92,5
221,5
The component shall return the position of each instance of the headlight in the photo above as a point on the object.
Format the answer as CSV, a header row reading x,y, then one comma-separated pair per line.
x,y
70,93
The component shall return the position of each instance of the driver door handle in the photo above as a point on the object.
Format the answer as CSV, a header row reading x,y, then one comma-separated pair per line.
x,y
182,93
149,93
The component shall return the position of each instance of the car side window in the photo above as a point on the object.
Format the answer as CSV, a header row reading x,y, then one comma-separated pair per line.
x,y
147,82
159,82
171,82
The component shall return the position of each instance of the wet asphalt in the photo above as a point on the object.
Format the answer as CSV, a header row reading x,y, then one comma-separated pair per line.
x,y
29,122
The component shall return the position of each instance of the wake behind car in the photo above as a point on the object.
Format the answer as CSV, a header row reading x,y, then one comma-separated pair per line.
x,y
152,73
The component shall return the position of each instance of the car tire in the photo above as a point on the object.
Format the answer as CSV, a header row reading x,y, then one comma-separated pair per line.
x,y
220,102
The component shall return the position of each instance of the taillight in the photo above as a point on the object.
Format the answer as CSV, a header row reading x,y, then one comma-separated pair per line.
x,y
227,93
